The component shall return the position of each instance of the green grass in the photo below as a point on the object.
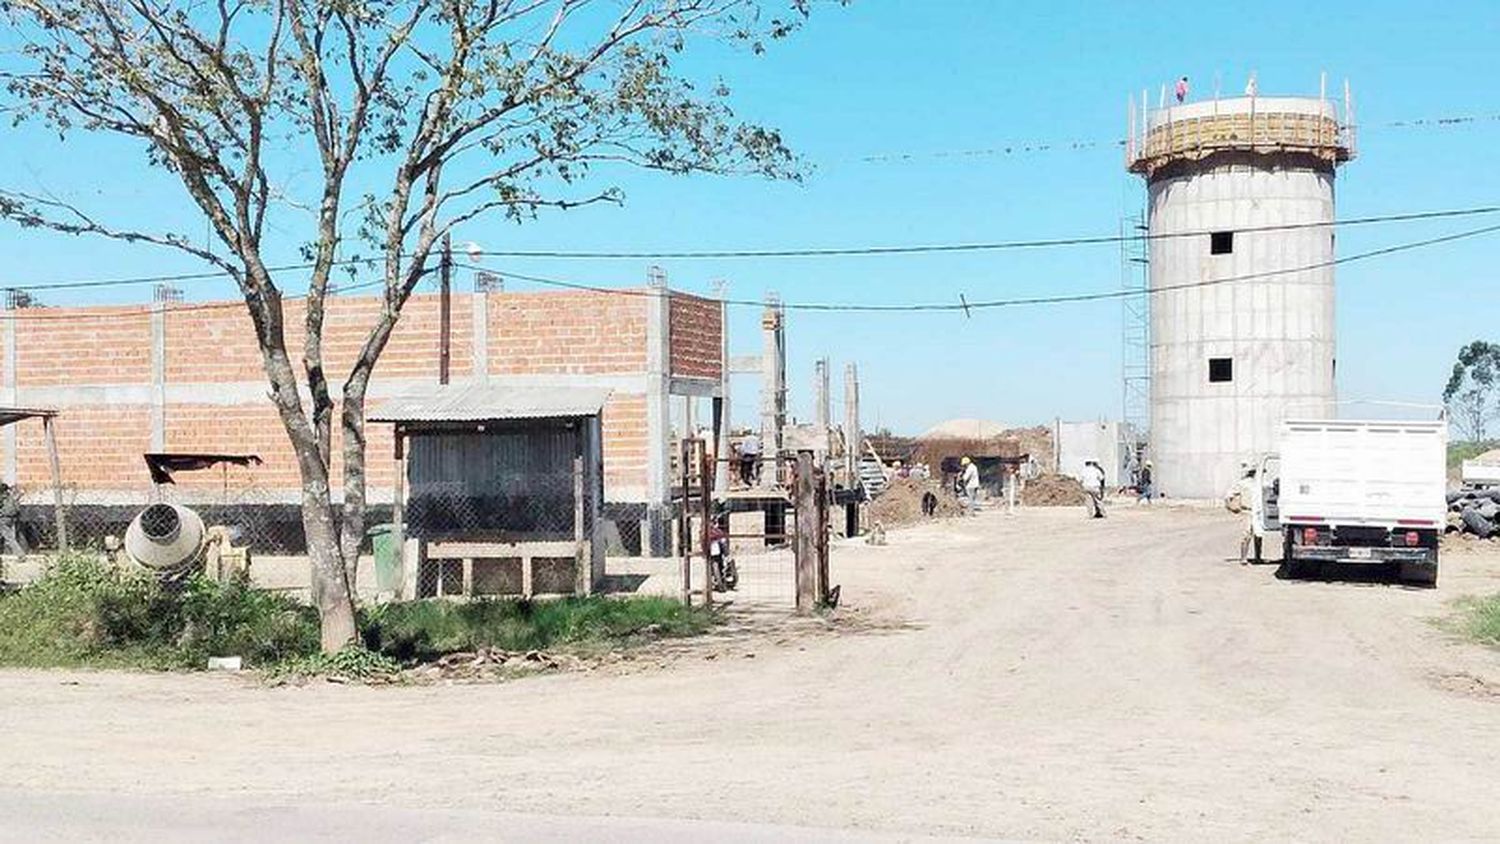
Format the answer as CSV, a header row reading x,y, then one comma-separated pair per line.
x,y
1479,619
84,612
424,630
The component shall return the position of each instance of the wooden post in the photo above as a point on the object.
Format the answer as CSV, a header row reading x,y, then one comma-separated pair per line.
x,y
684,527
820,498
805,545
583,563
398,518
445,310
58,510
705,495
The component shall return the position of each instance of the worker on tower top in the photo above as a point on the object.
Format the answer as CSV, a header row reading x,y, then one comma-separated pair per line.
x,y
1182,89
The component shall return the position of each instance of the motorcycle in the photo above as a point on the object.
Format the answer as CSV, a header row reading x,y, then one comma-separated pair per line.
x,y
722,569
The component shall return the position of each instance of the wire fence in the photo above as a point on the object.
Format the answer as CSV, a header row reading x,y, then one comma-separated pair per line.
x,y
533,532
522,532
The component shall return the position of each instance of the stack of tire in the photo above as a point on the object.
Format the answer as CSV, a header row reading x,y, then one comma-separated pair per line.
x,y
1475,512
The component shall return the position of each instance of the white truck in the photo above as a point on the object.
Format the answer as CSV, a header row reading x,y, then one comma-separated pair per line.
x,y
1361,492
1483,473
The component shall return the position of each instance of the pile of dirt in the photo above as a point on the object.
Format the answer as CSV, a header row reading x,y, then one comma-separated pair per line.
x,y
901,503
1035,441
1052,491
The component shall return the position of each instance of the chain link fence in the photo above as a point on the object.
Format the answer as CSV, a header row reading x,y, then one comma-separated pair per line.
x,y
525,533
255,516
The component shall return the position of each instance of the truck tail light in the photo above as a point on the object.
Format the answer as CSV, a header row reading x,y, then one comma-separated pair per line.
x,y
1412,539
1310,536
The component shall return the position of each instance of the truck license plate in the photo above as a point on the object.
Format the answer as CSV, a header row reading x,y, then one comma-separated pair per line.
x,y
1359,553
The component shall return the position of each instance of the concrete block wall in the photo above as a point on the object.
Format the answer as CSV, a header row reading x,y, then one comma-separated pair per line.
x,y
189,377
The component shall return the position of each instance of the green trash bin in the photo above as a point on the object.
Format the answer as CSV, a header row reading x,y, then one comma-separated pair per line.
x,y
387,561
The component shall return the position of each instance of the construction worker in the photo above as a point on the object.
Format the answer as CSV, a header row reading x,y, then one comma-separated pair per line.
x,y
750,460
1143,483
1012,480
971,483
1182,89
1092,478
10,521
1245,497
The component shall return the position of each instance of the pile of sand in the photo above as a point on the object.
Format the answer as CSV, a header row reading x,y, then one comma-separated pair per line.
x,y
1052,491
1035,441
901,503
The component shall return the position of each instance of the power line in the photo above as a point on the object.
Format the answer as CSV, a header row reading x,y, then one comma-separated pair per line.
x,y
966,306
206,275
992,246
41,314
813,252
851,307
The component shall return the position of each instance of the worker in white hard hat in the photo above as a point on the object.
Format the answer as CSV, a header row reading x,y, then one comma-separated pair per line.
x,y
970,482
1143,483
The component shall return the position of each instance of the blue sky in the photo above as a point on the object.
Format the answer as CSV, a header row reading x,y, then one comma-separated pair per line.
x,y
921,78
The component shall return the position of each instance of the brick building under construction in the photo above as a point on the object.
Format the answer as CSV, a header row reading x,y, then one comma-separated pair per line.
x,y
187,377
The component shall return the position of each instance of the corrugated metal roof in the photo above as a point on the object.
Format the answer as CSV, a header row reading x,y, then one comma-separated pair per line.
x,y
490,402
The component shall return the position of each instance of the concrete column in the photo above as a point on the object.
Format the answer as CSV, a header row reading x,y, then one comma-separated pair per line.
x,y
721,472
854,439
772,387
8,326
820,403
159,306
655,535
480,316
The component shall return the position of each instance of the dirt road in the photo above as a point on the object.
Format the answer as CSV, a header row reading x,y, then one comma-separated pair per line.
x,y
1040,676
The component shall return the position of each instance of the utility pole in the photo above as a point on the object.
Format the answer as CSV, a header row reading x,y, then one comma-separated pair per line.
x,y
445,318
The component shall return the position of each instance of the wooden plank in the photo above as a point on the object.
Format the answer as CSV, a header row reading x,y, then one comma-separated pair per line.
x,y
58,510
582,566
459,550
398,520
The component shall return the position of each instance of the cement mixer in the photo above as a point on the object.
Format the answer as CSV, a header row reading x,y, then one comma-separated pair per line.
x,y
169,539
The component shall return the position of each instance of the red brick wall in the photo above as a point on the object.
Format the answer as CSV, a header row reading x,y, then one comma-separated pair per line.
x,y
625,442
580,332
98,447
697,336
59,346
575,333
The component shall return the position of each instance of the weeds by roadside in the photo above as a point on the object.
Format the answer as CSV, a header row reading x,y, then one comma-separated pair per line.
x,y
85,612
425,630
1479,619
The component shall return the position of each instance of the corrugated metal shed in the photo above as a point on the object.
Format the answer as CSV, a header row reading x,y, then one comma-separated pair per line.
x,y
491,402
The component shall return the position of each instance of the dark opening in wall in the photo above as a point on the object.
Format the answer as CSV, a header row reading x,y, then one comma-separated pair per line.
x,y
1221,243
1220,370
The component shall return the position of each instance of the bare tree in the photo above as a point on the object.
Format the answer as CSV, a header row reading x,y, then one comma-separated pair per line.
x,y
1473,391
422,115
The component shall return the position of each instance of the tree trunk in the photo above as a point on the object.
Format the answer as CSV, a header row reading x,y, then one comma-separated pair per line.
x,y
330,584
331,592
352,523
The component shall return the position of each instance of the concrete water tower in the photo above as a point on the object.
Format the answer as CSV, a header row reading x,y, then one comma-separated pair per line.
x,y
1240,214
